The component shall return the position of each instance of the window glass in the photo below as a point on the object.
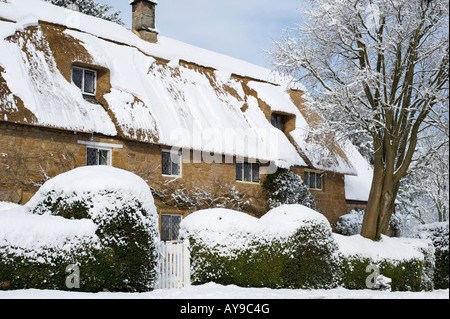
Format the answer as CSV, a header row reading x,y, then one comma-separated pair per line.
x,y
89,82
312,180
170,227
175,167
239,171
247,172
166,163
277,121
319,181
171,163
280,122
91,156
95,156
77,77
273,120
255,173
103,157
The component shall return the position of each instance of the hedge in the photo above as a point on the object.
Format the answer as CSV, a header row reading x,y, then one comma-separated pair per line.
x,y
121,255
228,247
438,233
248,252
46,269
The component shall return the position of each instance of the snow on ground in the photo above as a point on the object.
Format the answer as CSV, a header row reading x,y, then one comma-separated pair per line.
x,y
216,291
8,205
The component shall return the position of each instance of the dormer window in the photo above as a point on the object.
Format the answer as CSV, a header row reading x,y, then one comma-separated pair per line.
x,y
277,120
85,79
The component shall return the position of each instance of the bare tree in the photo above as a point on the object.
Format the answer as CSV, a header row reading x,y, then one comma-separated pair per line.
x,y
425,192
377,67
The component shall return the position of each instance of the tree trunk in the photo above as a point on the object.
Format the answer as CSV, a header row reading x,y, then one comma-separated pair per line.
x,y
380,205
371,216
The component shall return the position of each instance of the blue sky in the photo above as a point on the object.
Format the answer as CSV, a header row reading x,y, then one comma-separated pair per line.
x,y
239,28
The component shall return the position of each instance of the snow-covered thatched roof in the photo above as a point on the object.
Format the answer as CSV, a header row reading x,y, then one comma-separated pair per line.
x,y
169,93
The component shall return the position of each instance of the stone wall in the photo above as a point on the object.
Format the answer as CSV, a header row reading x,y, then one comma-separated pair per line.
x,y
31,155
331,199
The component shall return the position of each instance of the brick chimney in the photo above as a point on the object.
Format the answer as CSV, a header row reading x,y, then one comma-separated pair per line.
x,y
144,19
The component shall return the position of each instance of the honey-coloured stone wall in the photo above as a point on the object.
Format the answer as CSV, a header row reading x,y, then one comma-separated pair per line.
x,y
30,155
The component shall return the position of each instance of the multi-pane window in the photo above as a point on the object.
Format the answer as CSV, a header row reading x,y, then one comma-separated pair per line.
x,y
170,227
277,120
247,172
313,180
85,79
98,156
171,163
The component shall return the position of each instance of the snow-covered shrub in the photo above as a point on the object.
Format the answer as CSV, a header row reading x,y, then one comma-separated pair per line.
x,y
438,233
350,223
290,246
407,262
121,207
286,187
35,251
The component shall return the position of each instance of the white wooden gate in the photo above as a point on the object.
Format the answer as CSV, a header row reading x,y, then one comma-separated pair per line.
x,y
175,266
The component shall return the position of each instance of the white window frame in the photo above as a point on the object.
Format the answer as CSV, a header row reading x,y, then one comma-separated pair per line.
x,y
243,162
108,159
101,146
82,79
180,162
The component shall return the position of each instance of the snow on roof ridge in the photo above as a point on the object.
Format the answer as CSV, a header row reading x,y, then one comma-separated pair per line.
x,y
166,48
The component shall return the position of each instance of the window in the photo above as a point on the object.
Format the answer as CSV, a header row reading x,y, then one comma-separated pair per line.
x,y
313,180
277,120
85,79
98,156
247,172
98,153
170,227
171,163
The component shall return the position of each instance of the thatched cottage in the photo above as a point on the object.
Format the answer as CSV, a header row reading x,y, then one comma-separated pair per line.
x,y
203,129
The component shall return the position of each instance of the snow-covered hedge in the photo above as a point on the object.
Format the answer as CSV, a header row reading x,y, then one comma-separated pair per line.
x,y
350,224
438,233
292,246
35,250
408,262
117,246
